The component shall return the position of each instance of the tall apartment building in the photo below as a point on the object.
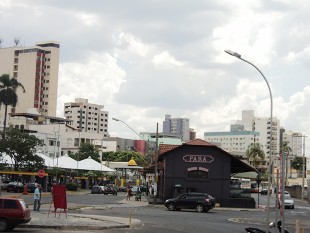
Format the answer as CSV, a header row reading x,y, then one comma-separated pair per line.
x,y
262,125
36,67
295,142
234,142
251,129
87,117
177,126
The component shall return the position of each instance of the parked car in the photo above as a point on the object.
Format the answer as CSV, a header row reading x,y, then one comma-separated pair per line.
x,y
265,192
110,189
288,202
122,189
13,212
134,190
31,187
96,189
202,202
4,184
16,187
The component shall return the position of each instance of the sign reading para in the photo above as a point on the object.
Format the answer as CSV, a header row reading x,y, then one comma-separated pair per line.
x,y
41,173
198,158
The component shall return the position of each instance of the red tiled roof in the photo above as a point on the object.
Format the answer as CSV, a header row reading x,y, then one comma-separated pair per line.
x,y
163,148
199,142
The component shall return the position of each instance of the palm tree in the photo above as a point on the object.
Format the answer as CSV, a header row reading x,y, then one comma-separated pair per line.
x,y
8,96
286,149
255,151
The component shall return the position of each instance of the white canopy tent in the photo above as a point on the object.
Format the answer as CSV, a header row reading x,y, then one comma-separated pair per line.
x,y
65,162
90,164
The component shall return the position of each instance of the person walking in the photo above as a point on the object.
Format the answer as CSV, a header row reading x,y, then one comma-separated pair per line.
x,y
128,193
37,198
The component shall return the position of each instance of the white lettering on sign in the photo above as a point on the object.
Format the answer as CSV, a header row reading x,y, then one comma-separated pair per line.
x,y
198,158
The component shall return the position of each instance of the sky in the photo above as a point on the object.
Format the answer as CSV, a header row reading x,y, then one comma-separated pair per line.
x,y
144,59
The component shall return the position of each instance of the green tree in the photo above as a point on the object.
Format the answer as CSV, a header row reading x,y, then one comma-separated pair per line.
x,y
297,163
124,156
255,152
286,149
21,147
8,96
86,150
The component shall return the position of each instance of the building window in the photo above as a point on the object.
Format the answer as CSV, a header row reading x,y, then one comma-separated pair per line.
x,y
198,172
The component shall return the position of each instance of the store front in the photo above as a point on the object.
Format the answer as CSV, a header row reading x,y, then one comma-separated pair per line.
x,y
197,166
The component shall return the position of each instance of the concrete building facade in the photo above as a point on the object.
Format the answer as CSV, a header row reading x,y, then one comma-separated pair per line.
x,y
177,126
87,117
36,68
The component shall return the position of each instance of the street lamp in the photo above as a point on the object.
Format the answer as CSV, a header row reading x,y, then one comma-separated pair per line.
x,y
156,154
237,55
116,119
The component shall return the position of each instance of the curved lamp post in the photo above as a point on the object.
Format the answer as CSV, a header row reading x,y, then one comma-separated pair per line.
x,y
156,155
237,55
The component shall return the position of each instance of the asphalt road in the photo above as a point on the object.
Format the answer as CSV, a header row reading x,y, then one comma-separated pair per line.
x,y
157,218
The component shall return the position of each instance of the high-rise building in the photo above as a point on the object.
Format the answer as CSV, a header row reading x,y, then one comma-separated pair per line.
x,y
87,117
246,131
36,68
177,126
295,142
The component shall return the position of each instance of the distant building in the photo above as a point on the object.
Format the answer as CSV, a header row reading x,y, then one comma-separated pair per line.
x,y
233,142
249,130
262,125
177,126
87,117
295,142
36,67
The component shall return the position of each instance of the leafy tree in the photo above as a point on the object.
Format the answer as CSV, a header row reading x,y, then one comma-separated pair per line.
x,y
255,151
85,151
21,147
8,96
123,156
297,163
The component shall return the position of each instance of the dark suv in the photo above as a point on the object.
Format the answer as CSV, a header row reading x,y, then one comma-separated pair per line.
x,y
110,189
13,212
202,202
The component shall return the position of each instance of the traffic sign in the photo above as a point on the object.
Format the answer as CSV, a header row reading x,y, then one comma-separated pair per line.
x,y
41,173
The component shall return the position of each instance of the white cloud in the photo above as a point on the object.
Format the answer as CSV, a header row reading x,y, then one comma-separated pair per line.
x,y
165,59
142,62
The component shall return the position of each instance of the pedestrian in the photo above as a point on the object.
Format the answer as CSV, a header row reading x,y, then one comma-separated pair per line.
x,y
128,193
37,198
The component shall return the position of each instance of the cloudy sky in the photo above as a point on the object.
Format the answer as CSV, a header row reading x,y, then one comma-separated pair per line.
x,y
143,59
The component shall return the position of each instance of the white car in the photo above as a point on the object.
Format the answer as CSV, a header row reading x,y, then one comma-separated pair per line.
x,y
288,202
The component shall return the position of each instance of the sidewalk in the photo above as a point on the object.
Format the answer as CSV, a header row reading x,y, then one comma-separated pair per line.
x,y
71,221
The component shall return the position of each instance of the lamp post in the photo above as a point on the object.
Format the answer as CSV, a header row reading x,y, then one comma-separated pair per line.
x,y
156,153
147,144
237,55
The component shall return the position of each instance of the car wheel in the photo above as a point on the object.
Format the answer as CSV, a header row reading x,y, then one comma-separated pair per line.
x,y
199,208
171,206
292,207
3,225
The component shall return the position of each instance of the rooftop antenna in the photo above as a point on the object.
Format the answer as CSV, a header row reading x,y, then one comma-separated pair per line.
x,y
16,41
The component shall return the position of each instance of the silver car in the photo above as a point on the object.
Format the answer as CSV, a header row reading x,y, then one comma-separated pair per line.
x,y
288,202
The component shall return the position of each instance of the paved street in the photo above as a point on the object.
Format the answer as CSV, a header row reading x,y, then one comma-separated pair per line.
x,y
157,218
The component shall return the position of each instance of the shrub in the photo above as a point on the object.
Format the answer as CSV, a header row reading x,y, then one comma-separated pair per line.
x,y
71,186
